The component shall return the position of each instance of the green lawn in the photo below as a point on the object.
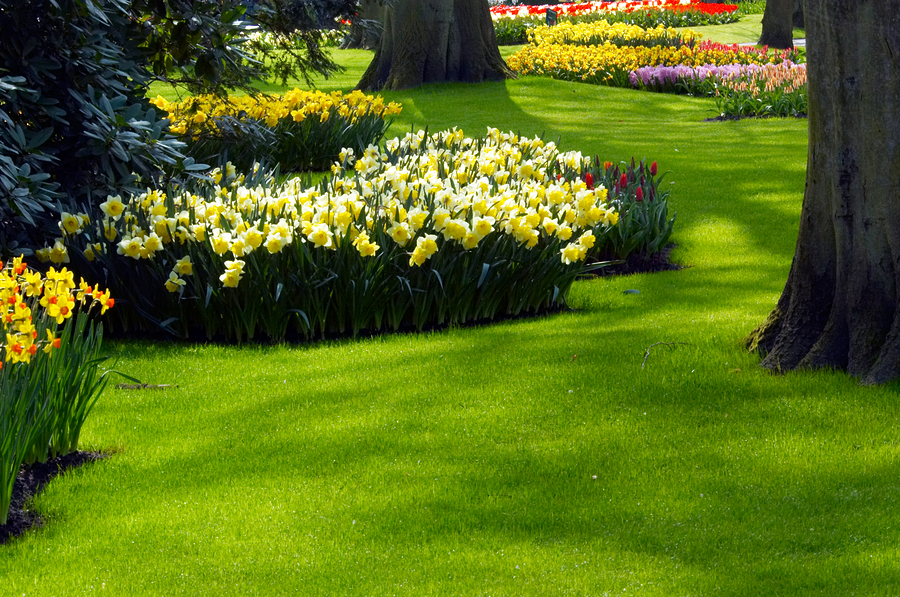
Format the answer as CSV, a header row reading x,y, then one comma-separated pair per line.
x,y
547,456
745,30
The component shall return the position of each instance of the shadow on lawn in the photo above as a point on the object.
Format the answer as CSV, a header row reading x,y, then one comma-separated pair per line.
x,y
749,161
716,494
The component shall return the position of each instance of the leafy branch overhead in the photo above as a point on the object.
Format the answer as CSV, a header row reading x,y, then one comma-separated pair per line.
x,y
75,123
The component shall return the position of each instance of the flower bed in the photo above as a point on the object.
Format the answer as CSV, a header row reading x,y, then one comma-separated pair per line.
x,y
512,23
580,9
610,64
619,34
299,130
740,90
49,379
431,230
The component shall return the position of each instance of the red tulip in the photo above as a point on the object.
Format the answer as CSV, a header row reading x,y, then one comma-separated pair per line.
x,y
653,169
589,180
623,182
639,194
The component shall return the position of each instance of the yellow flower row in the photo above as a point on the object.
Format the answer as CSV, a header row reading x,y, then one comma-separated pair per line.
x,y
603,62
22,288
295,105
599,32
421,193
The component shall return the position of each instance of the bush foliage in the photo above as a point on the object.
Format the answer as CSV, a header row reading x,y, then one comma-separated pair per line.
x,y
75,125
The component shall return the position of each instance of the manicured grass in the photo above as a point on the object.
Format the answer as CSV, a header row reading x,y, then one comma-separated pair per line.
x,y
545,456
746,30
354,61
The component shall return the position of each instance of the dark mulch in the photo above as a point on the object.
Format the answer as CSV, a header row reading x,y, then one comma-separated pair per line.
x,y
29,482
642,264
727,117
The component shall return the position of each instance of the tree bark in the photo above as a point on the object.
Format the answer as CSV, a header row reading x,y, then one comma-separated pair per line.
x,y
840,306
777,24
427,41
797,19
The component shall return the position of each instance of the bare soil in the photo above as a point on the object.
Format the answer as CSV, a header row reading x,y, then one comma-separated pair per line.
x,y
29,482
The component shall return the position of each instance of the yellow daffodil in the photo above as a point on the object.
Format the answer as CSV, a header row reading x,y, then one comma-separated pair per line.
x,y
113,207
69,223
570,253
52,342
58,252
400,232
33,283
174,283
184,267
130,247
418,257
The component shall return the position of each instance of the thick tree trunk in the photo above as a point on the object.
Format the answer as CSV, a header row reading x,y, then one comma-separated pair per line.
x,y
798,15
841,305
777,24
427,41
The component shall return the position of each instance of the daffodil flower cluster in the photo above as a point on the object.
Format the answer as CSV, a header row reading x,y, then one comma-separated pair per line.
x,y
421,193
610,64
501,185
199,112
300,130
49,374
620,34
426,230
25,294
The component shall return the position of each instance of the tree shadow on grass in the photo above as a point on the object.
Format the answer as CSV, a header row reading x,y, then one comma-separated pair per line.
x,y
732,509
735,167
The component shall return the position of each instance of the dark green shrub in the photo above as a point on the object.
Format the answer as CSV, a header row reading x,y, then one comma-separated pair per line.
x,y
75,125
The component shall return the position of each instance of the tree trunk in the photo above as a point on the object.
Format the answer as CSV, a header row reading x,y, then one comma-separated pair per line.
x,y
365,31
777,24
840,307
427,41
798,15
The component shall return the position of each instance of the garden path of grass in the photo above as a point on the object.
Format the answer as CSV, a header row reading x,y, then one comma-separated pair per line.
x,y
531,457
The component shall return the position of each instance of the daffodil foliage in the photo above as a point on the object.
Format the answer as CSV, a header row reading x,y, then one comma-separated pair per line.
x,y
430,230
48,373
